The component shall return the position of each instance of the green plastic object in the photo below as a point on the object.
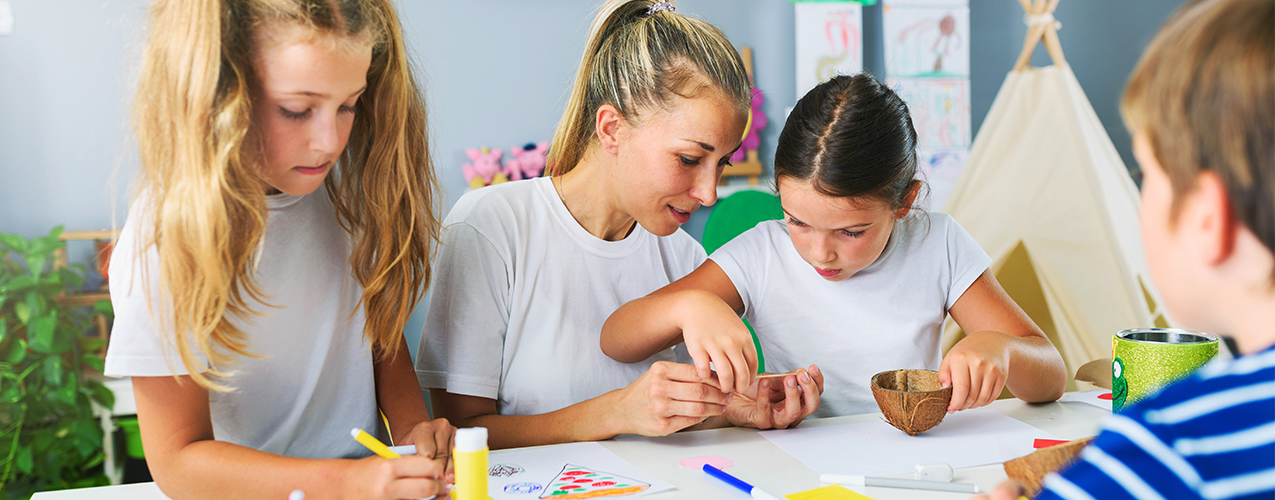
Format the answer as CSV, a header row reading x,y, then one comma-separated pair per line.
x,y
737,213
733,215
132,437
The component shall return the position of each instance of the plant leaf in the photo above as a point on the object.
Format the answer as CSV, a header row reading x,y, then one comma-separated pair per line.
x,y
4,330
66,393
22,312
104,308
40,331
101,394
15,242
91,344
18,351
53,370
24,460
93,361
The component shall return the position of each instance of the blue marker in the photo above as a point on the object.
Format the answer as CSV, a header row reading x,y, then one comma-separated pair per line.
x,y
731,480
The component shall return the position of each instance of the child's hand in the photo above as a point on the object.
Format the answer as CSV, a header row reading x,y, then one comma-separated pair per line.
x,y
976,368
667,398
777,403
433,440
714,333
1008,490
412,476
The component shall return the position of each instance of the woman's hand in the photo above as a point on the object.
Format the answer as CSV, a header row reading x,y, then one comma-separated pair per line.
x,y
777,403
714,333
412,476
433,440
976,368
666,399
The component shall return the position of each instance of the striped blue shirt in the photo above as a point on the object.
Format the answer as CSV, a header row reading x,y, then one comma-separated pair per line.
x,y
1211,435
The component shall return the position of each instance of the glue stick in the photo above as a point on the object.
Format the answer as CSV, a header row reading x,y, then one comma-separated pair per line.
x,y
471,464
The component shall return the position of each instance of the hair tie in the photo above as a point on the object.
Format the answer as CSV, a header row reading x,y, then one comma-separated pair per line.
x,y
660,7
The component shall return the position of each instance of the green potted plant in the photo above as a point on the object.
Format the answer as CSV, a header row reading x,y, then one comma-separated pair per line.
x,y
49,436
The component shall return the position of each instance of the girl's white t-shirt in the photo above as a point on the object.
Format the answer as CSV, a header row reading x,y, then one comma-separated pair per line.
x,y
521,291
313,381
887,316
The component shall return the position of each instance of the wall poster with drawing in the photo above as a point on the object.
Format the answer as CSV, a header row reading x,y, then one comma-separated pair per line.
x,y
829,42
927,61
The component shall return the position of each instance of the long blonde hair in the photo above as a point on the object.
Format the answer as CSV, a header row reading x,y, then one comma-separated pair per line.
x,y
202,184
636,58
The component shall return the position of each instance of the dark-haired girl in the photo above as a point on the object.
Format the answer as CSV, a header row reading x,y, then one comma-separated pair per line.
x,y
854,279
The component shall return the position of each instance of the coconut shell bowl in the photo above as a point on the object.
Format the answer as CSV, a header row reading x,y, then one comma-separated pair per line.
x,y
911,400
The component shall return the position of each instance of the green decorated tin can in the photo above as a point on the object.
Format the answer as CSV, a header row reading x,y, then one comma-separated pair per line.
x,y
1146,359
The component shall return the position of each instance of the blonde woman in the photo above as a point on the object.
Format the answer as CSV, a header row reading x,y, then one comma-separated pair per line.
x,y
284,221
530,270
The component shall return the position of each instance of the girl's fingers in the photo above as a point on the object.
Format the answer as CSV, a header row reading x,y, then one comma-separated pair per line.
x,y
694,409
414,487
743,377
817,375
810,397
726,374
695,392
960,383
976,386
702,360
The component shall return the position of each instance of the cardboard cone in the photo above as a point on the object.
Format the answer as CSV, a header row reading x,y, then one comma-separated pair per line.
x,y
1031,469
911,400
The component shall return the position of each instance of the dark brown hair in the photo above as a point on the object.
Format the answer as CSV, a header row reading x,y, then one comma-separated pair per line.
x,y
850,137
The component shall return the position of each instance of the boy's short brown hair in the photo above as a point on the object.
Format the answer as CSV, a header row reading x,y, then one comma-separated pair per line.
x,y
1204,95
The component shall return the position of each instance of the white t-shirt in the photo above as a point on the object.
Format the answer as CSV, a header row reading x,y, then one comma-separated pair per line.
x,y
520,294
314,382
887,316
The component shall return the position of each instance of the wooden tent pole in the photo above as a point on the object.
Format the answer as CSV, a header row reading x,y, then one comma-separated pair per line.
x,y
1037,32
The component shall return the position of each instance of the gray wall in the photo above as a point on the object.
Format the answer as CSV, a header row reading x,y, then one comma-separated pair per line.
x,y
497,73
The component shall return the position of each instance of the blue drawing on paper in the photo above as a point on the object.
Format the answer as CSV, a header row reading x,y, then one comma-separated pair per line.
x,y
522,488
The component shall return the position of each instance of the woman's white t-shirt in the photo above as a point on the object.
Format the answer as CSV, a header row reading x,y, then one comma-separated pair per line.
x,y
887,316
520,294
313,381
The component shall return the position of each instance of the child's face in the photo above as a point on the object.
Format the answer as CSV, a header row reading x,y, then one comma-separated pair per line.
x,y
1161,243
837,236
670,161
303,108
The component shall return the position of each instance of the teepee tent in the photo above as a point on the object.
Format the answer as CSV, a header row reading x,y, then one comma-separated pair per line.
x,y
1047,196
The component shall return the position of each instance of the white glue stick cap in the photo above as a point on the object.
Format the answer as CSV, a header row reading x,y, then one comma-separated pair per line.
x,y
934,472
471,439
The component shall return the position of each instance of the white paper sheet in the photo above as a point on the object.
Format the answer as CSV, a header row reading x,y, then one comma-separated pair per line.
x,y
964,439
1100,398
528,473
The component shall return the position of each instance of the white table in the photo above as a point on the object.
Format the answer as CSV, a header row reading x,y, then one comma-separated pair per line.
x,y
762,463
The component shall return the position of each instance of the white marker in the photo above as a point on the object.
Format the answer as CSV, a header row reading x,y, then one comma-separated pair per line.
x,y
888,482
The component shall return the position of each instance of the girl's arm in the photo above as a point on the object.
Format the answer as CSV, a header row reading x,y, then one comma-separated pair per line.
x,y
187,462
398,394
1005,349
702,310
665,399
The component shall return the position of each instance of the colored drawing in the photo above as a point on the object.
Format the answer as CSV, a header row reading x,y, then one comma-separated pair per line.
x,y
504,470
522,488
926,41
830,492
940,109
939,168
829,42
581,482
573,470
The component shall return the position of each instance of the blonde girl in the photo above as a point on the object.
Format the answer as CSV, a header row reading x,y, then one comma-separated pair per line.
x,y
529,270
284,222
854,280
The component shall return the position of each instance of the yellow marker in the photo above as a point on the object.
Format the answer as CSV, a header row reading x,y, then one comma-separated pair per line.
x,y
372,443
